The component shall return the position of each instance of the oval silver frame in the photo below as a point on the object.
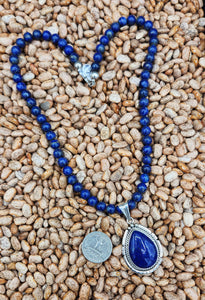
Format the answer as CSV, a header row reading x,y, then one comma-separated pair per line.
x,y
126,253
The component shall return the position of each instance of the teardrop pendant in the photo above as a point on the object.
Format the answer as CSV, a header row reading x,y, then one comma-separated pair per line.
x,y
141,249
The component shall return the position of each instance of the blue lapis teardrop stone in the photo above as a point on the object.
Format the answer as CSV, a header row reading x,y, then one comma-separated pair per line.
x,y
143,251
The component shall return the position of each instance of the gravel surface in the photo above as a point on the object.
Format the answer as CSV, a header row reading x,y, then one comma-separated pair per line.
x,y
42,224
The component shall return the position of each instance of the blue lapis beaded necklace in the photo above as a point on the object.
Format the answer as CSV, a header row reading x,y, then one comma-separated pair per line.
x,y
141,248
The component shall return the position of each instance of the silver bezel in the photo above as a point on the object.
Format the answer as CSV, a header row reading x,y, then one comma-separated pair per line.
x,y
126,253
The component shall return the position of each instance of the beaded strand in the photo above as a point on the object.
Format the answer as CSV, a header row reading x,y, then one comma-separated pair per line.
x,y
95,67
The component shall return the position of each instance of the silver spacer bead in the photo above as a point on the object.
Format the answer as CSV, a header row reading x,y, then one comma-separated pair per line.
x,y
94,75
78,65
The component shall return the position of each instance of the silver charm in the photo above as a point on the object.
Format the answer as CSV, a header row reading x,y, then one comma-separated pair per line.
x,y
97,247
87,74
141,249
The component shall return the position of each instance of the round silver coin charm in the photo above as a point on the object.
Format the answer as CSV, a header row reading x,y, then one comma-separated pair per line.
x,y
97,247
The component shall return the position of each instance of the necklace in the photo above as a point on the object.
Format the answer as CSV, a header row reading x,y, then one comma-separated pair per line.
x,y
141,249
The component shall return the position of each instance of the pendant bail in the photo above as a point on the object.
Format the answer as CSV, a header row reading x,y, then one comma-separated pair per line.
x,y
126,212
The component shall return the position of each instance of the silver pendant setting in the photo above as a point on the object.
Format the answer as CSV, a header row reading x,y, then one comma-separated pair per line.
x,y
141,249
86,73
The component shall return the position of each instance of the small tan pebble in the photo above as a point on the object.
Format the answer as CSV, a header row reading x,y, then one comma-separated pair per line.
x,y
139,291
184,276
126,297
90,131
85,290
123,59
192,294
108,75
188,219
171,296
202,62
9,194
69,296
198,231
126,118
5,220
115,97
175,217
5,243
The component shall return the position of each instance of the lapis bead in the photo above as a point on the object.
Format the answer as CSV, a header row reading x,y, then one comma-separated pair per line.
x,y
131,20
68,50
153,33
46,126
72,179
122,21
92,201
146,169
104,40
143,111
101,206
115,27
15,50
146,159
148,25
13,60
144,83
97,57
118,210
110,209
140,21
17,77
147,149
144,121
132,204
142,250
85,194
100,48
37,35
74,57
55,38
15,69
145,130
147,66
143,102
46,35
20,42
62,43
62,162
55,144
57,153
41,118
144,178
67,170
153,41
152,49
147,140
145,74
31,102
141,187
77,187
95,66
149,58
137,197
28,37
109,33
50,135
20,86
143,93
25,94
35,110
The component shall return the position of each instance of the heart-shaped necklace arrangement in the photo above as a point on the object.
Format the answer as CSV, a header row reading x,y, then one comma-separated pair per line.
x,y
141,249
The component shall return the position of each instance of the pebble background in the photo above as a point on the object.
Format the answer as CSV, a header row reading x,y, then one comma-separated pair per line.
x,y
42,224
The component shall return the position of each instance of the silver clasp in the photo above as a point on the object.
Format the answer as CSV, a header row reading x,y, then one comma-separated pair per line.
x,y
86,73
126,212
